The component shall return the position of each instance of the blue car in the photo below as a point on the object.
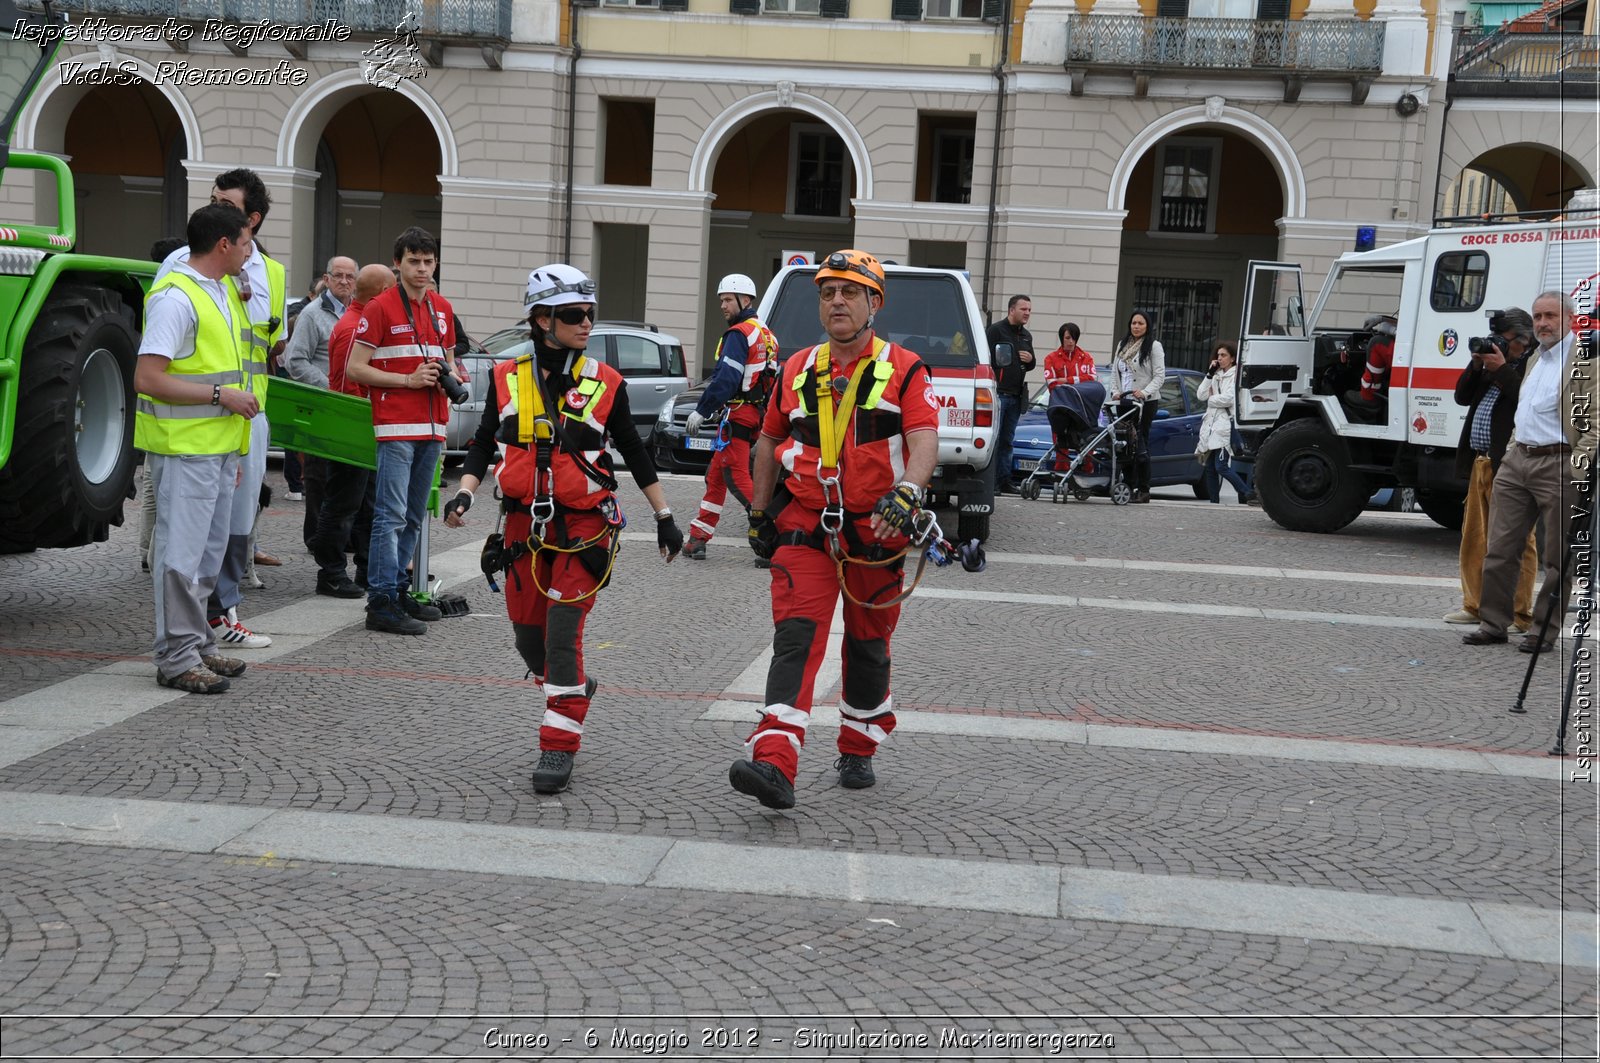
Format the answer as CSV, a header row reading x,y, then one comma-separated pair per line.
x,y
1173,435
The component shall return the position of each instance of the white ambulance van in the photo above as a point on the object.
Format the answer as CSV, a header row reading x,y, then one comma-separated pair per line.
x,y
1318,455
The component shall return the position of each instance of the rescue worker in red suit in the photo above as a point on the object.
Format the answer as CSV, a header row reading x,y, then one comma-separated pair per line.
x,y
746,362
561,494
1374,391
849,441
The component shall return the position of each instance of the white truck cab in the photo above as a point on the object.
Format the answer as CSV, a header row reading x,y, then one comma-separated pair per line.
x,y
1318,453
934,313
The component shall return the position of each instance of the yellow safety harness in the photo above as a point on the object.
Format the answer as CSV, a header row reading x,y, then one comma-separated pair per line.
x,y
540,431
832,424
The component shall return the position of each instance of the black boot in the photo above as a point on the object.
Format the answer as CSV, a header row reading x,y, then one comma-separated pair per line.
x,y
553,772
855,771
762,781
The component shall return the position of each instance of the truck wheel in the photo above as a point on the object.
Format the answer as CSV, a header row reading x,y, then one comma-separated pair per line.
x,y
72,452
1305,481
1444,508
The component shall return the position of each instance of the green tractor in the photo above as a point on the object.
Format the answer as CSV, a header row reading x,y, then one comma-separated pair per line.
x,y
69,337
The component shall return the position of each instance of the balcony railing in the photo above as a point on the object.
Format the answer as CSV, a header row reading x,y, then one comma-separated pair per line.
x,y
1184,214
1152,45
1523,64
462,20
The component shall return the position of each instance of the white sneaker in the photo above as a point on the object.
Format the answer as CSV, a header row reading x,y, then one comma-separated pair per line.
x,y
295,496
1460,616
228,630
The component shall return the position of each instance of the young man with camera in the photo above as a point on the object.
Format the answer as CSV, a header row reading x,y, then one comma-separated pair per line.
x,y
404,352
1488,387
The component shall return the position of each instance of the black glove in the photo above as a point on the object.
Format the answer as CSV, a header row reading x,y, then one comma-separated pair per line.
x,y
669,537
459,504
763,534
897,508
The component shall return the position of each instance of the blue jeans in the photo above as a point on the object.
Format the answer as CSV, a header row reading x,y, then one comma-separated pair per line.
x,y
1010,411
1219,467
406,469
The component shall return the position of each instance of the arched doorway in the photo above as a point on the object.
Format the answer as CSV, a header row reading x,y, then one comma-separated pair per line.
x,y
1201,203
1514,178
125,146
755,219
379,165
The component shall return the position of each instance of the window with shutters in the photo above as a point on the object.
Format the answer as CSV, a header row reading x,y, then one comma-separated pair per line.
x,y
1186,185
632,3
821,172
954,9
792,7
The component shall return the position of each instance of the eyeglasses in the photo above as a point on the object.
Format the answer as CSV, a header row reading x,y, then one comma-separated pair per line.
x,y
851,292
573,315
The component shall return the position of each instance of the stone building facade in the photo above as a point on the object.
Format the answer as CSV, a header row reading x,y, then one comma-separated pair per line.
x,y
1094,155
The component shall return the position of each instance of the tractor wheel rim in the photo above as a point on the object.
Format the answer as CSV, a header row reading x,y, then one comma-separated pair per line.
x,y
99,416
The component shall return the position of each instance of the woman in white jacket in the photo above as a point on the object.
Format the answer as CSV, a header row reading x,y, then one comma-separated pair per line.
x,y
1215,449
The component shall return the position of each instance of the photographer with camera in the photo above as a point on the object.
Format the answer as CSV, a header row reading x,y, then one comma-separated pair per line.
x,y
404,352
1552,450
1488,387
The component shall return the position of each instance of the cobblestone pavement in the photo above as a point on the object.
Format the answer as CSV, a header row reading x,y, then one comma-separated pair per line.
x,y
1159,625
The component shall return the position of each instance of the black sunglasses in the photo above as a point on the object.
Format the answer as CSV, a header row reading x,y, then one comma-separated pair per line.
x,y
573,315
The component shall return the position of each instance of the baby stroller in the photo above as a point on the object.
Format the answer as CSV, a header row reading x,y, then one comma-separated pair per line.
x,y
1090,445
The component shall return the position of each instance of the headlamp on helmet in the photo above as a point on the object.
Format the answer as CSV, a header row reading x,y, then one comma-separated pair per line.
x,y
558,284
855,266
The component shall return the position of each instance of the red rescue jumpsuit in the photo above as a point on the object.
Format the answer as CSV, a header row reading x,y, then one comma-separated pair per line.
x,y
805,584
1375,378
555,616
751,355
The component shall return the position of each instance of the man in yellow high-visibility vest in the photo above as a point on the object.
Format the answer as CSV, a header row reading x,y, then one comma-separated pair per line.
x,y
193,421
263,291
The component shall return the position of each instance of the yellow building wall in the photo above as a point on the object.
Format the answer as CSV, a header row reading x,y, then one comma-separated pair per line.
x,y
868,37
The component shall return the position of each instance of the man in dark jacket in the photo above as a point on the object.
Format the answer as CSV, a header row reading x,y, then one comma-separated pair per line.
x,y
1489,387
1013,385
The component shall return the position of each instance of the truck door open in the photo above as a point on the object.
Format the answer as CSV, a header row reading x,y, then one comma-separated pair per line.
x,y
1275,355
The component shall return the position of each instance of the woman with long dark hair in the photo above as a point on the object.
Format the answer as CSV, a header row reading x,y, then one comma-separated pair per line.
x,y
1137,371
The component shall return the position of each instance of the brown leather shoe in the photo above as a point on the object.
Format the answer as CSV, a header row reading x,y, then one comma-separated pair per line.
x,y
1481,637
263,558
1530,643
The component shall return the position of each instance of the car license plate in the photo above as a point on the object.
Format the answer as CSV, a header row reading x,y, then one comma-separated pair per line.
x,y
695,443
1027,466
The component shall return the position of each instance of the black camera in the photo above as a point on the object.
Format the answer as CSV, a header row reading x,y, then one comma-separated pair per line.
x,y
454,389
1498,322
1485,344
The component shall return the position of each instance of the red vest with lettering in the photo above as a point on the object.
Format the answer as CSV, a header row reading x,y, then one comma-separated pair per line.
x,y
585,407
407,413
761,352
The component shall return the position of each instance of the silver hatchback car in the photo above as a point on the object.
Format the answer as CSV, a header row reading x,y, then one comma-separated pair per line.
x,y
648,359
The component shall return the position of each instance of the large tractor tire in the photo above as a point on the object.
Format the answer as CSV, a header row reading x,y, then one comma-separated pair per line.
x,y
72,452
1304,478
1445,508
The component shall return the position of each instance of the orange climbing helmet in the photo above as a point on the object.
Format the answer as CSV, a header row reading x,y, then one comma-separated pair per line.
x,y
852,265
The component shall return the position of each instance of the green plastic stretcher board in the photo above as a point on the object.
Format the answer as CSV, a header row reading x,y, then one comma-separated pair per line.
x,y
327,424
